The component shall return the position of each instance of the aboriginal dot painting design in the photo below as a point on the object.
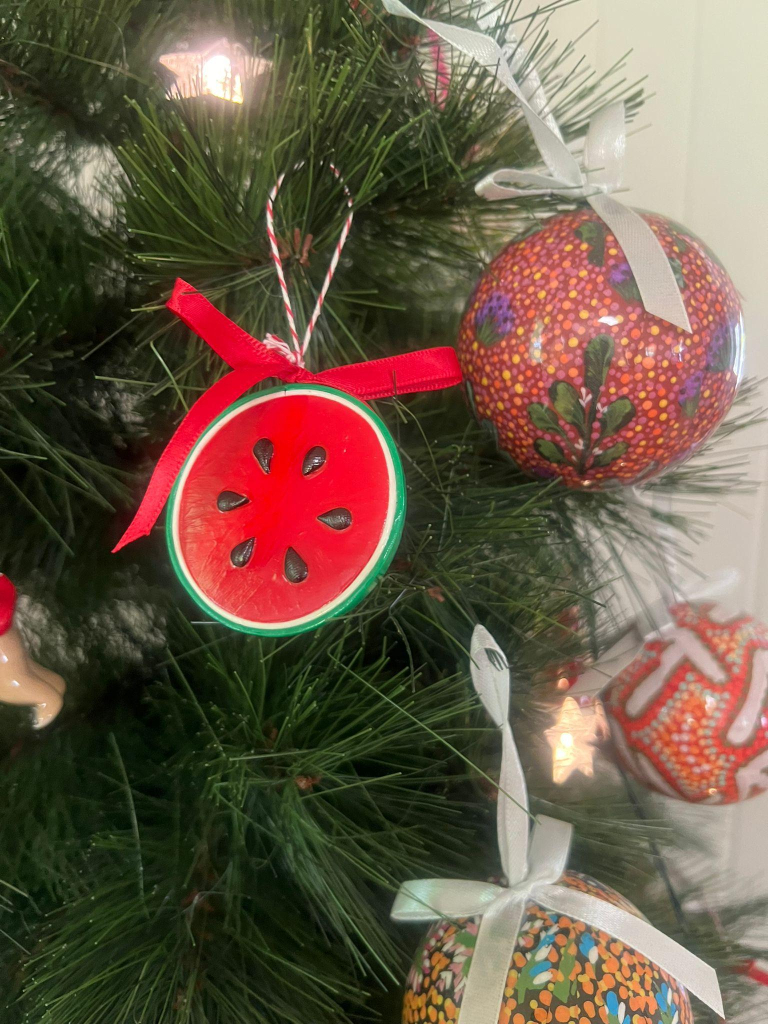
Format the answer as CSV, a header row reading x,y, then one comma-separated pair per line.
x,y
688,716
561,970
572,374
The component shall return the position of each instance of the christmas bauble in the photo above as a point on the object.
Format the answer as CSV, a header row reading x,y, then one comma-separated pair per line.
x,y
688,716
576,379
560,970
287,509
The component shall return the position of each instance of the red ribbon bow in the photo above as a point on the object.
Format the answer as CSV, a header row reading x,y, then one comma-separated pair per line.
x,y
251,362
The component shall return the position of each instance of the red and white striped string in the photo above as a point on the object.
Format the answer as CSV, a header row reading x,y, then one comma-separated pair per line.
x,y
298,351
757,970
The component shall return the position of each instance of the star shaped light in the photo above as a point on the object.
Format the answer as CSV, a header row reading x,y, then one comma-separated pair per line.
x,y
220,69
573,736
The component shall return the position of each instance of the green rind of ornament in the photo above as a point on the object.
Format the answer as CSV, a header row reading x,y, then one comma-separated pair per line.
x,y
363,587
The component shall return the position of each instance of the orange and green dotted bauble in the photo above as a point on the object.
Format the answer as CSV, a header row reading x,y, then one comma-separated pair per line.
x,y
561,970
576,379
689,715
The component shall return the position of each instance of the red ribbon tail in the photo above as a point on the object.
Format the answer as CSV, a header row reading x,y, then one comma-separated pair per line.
x,y
427,370
227,340
205,410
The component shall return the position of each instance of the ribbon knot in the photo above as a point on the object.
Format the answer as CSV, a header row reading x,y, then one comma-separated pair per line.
x,y
271,341
534,860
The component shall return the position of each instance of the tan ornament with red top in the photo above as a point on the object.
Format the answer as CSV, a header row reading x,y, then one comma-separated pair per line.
x,y
22,680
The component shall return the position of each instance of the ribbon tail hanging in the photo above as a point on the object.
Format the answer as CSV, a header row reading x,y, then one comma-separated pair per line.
x,y
490,677
655,277
208,406
232,343
693,974
484,991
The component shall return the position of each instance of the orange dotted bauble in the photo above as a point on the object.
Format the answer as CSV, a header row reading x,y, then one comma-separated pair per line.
x,y
560,970
688,716
576,379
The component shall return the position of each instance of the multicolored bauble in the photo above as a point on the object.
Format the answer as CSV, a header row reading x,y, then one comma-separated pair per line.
x,y
688,716
577,380
560,970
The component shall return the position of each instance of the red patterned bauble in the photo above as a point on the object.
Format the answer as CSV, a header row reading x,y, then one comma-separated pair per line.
x,y
576,378
560,970
688,716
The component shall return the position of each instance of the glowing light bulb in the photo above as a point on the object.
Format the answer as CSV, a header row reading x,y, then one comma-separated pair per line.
x,y
221,69
220,80
573,736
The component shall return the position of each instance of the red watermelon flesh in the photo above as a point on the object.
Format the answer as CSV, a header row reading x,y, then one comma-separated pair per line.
x,y
287,507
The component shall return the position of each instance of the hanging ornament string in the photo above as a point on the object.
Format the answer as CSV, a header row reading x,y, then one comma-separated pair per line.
x,y
603,157
299,350
533,860
253,360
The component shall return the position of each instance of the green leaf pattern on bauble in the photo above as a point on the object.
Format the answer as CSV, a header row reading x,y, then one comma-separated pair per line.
x,y
567,404
549,450
573,412
594,234
616,416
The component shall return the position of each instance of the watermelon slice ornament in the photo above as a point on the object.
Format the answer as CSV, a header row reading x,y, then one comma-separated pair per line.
x,y
286,505
277,535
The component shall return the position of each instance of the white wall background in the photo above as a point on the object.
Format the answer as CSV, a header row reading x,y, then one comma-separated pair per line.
x,y
702,160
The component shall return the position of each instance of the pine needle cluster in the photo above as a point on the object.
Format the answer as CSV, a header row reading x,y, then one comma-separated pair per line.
x,y
212,831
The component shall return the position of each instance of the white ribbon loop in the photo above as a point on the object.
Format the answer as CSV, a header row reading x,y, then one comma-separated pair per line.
x,y
605,147
604,156
431,899
534,865
490,676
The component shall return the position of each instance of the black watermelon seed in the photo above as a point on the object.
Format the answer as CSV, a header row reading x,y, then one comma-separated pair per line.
x,y
313,460
295,567
264,450
241,553
337,518
228,500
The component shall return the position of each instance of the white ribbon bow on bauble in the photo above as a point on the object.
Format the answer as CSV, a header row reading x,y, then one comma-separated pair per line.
x,y
603,157
533,863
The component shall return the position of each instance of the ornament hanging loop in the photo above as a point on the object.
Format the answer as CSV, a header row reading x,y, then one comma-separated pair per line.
x,y
298,350
604,156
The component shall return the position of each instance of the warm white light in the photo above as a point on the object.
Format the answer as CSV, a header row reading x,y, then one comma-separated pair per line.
x,y
221,69
572,738
219,80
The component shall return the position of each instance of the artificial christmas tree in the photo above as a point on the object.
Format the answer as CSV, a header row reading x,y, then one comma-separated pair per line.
x,y
212,829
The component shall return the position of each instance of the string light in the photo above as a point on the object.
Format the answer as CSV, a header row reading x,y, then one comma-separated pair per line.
x,y
221,69
573,736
